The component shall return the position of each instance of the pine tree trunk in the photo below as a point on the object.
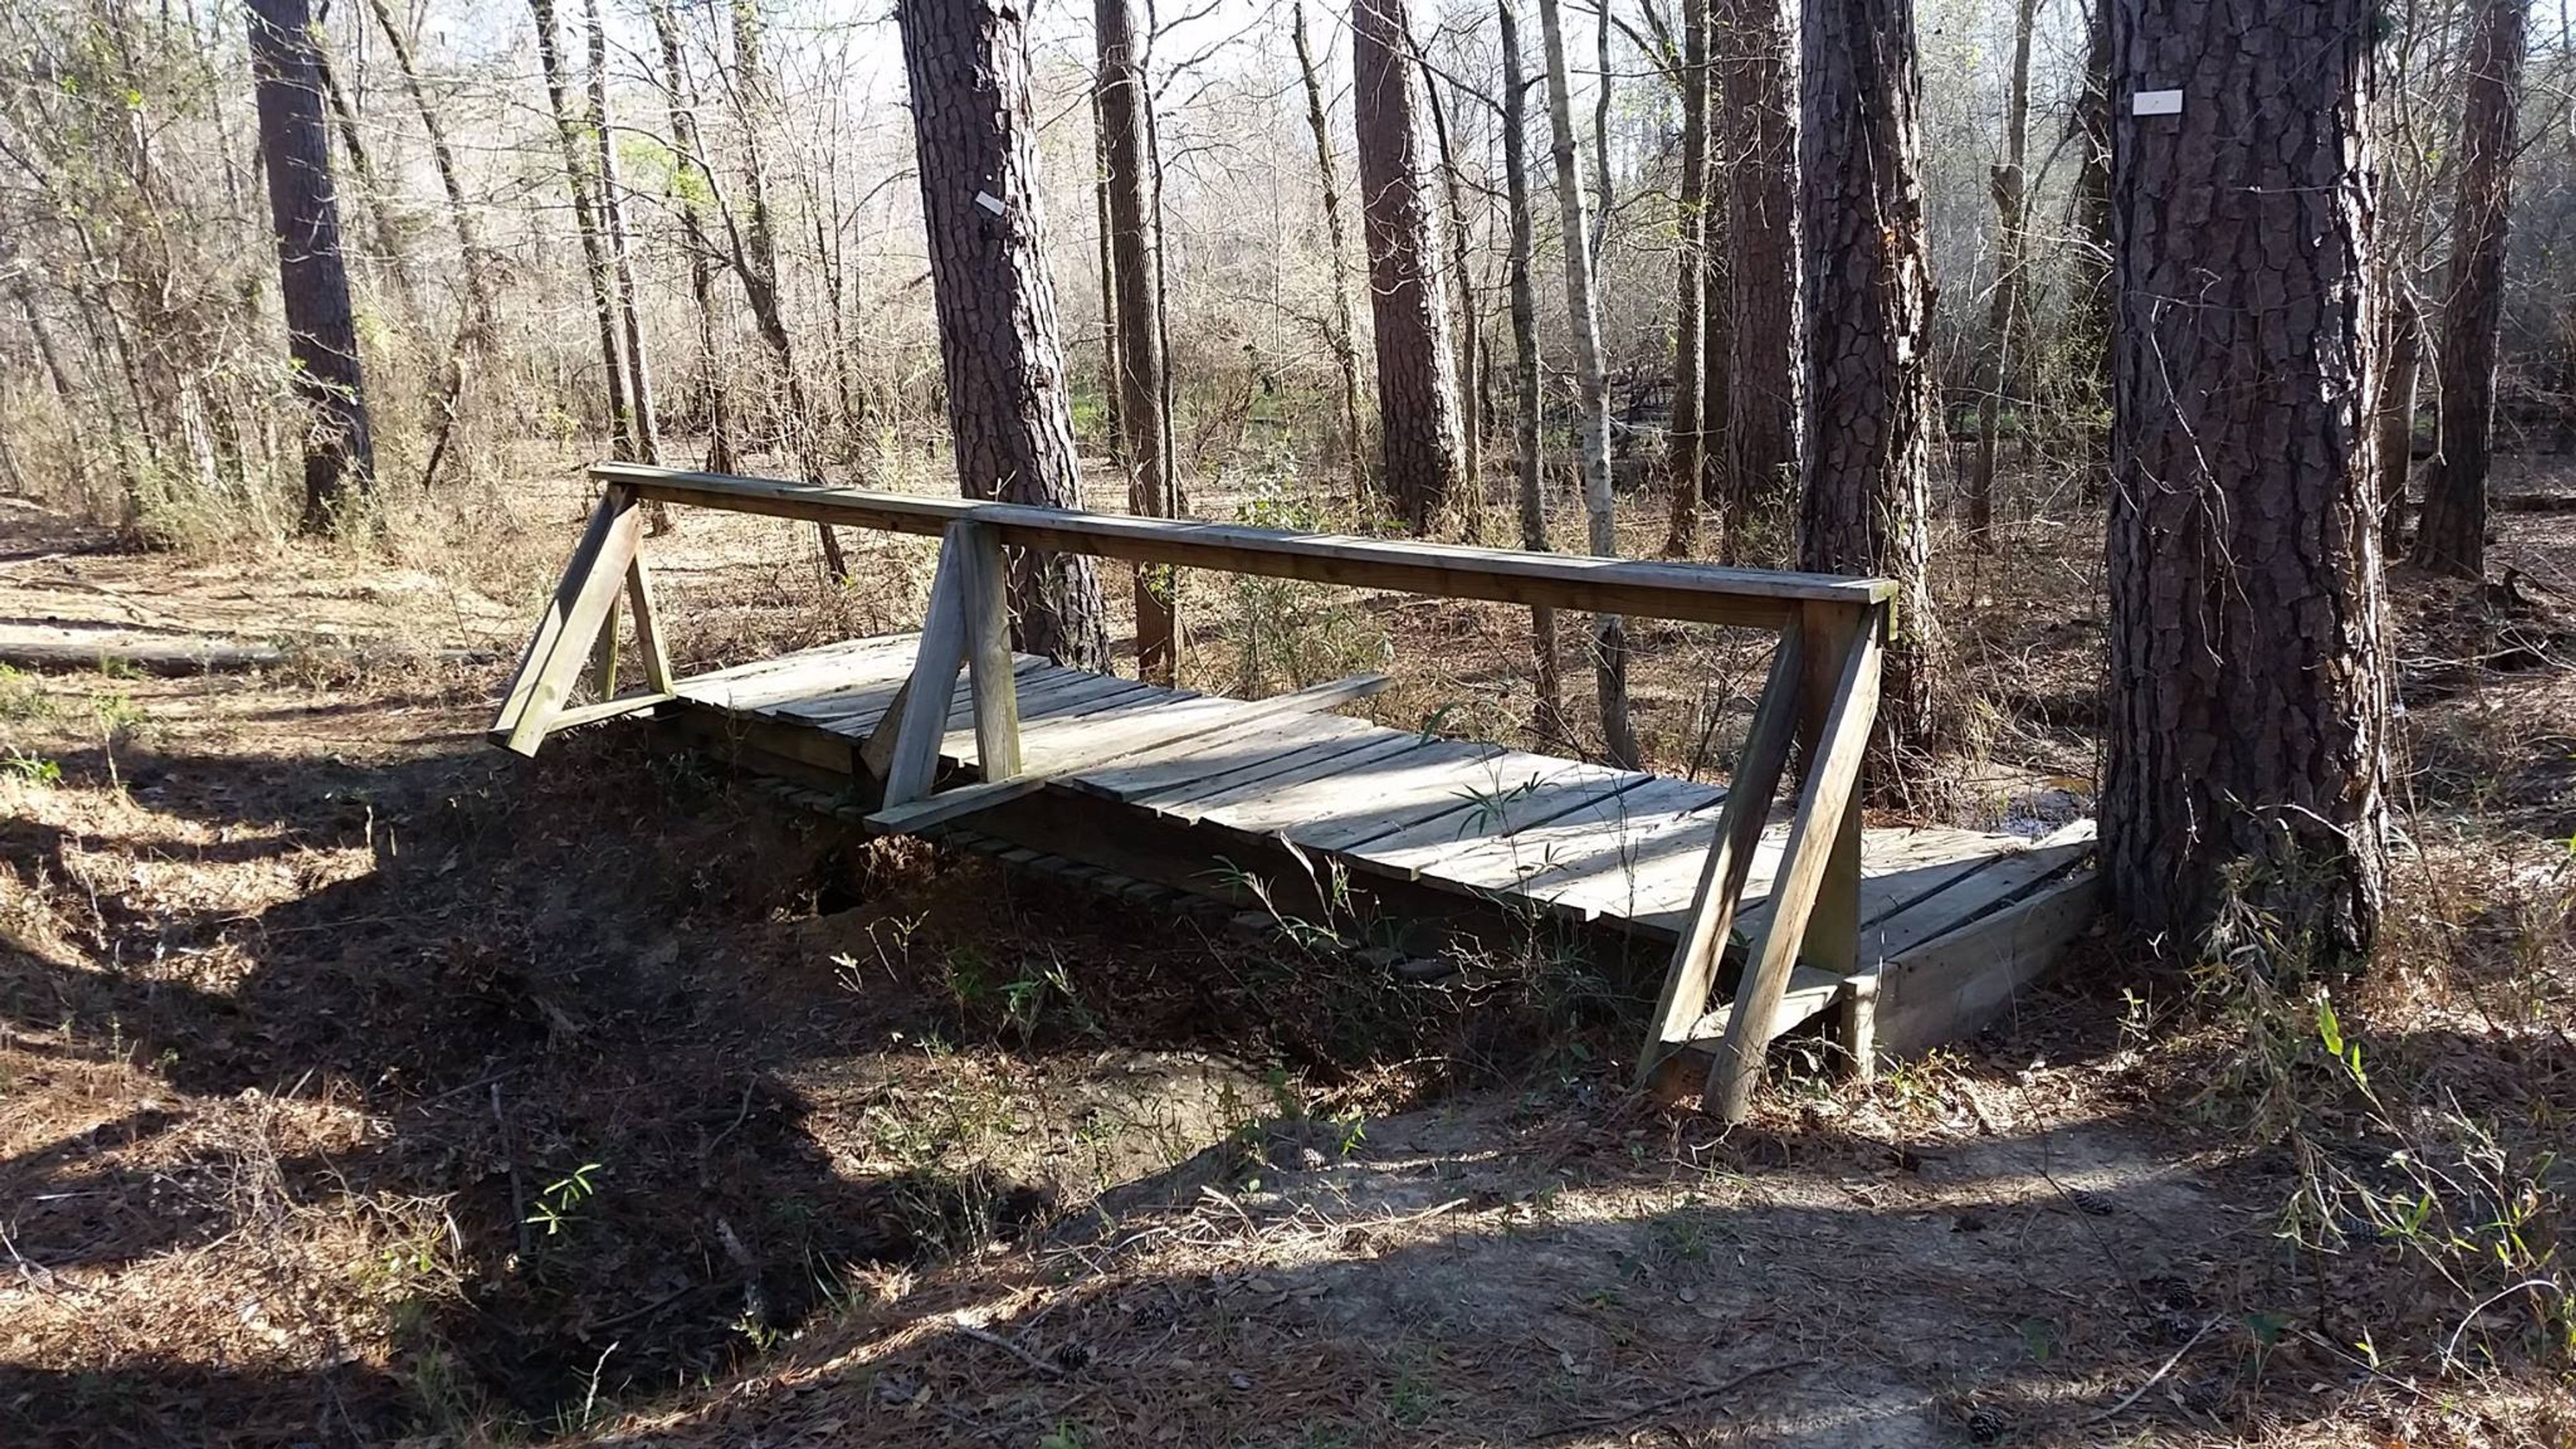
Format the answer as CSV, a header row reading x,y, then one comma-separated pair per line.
x,y
1869,304
1765,360
603,283
1549,721
1341,334
1136,267
2451,536
2010,184
1681,537
1417,407
2248,691
1609,631
312,275
999,340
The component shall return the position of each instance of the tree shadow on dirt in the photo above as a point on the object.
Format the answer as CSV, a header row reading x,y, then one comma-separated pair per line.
x,y
561,995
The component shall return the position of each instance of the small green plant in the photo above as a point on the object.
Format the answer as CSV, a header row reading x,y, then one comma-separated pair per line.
x,y
21,698
556,1205
31,769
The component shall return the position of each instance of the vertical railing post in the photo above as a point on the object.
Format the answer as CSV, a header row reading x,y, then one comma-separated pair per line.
x,y
981,593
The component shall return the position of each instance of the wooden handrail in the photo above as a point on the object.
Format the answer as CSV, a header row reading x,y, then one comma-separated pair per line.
x,y
1698,593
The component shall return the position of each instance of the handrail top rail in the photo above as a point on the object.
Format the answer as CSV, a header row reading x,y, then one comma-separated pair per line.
x,y
1646,587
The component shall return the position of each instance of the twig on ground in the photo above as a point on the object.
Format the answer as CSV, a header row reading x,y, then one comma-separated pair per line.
x,y
1053,1371
510,1162
1668,1402
2153,1379
2451,1350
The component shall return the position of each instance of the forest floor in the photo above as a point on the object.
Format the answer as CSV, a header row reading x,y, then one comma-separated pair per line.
x,y
360,1084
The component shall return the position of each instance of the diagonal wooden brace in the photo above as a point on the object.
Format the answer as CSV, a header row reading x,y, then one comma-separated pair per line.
x,y
573,620
1730,859
1816,837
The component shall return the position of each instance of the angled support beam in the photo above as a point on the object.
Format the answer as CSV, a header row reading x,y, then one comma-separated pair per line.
x,y
1825,799
650,648
913,758
1730,859
573,620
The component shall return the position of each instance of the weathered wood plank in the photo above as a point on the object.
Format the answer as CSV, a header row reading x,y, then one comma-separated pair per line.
x,y
1952,985
1274,801
954,804
1596,840
1232,749
1987,888
915,759
651,649
1815,833
560,645
1372,794
1502,793
1701,592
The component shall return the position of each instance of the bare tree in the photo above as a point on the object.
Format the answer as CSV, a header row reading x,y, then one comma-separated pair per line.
x,y
1869,306
2393,437
999,340
621,265
2010,182
2248,692
1550,720
1417,407
1764,367
1339,332
712,399
2451,536
1609,631
1690,285
1462,277
594,251
1137,282
312,275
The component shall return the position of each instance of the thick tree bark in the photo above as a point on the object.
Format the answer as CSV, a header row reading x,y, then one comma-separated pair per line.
x,y
2451,536
1136,269
999,340
1340,332
1869,303
1609,631
2010,184
312,275
1681,536
1417,407
2248,692
594,252
1550,717
1765,360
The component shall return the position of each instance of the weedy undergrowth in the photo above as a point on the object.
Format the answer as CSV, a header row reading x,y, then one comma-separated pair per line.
x,y
2390,1170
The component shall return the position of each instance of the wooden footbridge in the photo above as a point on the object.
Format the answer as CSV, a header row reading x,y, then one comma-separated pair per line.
x,y
1899,938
